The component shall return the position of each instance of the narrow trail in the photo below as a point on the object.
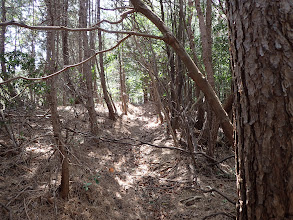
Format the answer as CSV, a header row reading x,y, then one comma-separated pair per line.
x,y
120,178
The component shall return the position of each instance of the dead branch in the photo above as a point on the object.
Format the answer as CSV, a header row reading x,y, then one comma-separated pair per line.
x,y
66,67
118,141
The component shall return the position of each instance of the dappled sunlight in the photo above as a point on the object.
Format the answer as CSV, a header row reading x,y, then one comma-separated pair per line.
x,y
121,176
40,148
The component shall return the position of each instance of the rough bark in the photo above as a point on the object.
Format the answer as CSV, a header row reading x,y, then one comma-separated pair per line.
x,y
193,71
262,47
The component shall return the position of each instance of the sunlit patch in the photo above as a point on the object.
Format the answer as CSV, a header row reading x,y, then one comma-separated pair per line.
x,y
127,182
38,149
120,163
118,195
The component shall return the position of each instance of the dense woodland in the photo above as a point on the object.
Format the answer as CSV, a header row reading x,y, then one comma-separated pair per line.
x,y
146,109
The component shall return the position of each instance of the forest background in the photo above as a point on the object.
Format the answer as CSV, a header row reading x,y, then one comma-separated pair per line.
x,y
175,54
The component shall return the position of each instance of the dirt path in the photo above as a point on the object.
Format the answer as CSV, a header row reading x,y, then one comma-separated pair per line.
x,y
116,177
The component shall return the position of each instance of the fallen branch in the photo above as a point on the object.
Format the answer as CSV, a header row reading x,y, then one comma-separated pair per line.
x,y
105,139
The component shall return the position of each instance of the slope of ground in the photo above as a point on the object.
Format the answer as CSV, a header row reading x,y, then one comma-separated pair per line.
x,y
121,174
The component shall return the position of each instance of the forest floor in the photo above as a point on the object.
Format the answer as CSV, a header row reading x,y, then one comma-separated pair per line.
x,y
121,174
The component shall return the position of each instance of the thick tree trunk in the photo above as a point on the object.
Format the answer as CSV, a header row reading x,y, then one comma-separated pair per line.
x,y
193,71
261,43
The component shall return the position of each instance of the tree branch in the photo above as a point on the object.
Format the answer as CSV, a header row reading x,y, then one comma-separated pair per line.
x,y
67,67
123,15
63,28
113,9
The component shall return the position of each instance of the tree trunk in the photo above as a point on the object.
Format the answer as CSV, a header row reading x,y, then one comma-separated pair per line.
x,y
205,25
4,74
123,94
52,99
193,71
102,71
200,109
65,51
86,69
171,72
261,43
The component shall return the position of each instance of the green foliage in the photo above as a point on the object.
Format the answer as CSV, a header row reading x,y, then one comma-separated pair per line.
x,y
94,178
18,59
86,186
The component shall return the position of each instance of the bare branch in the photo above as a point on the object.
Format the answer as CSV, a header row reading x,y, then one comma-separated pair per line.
x,y
123,15
113,9
67,67
63,28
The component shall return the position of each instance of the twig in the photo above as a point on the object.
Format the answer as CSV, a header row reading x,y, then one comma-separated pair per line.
x,y
212,164
9,130
8,209
220,213
22,191
25,208
123,16
217,191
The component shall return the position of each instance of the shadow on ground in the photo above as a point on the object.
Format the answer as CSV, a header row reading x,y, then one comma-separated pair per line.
x,y
113,176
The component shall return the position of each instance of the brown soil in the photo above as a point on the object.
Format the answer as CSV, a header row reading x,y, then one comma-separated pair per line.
x,y
113,176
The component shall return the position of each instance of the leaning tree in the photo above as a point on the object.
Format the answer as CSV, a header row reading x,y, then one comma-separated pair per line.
x,y
261,37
